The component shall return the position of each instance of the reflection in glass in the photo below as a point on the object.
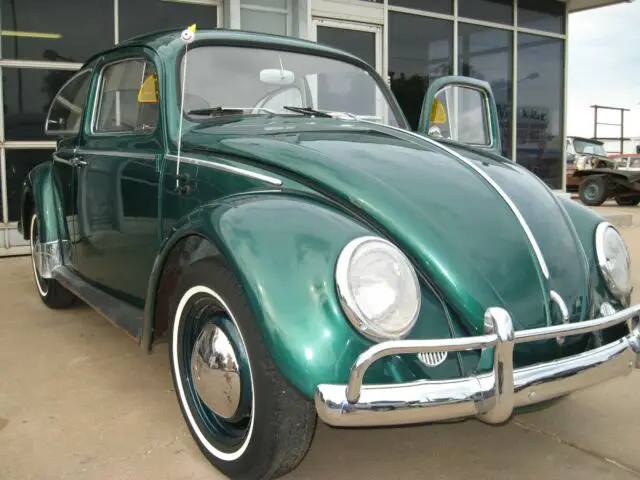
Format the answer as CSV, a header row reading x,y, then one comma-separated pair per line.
x,y
68,106
487,54
145,16
246,79
549,16
28,92
69,31
540,106
498,11
464,116
19,163
420,51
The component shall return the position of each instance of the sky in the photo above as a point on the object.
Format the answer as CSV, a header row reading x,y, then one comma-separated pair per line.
x,y
604,68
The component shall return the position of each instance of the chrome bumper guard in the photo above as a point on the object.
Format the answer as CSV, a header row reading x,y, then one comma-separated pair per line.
x,y
492,396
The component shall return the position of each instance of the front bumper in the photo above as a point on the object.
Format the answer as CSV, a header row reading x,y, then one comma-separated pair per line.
x,y
491,396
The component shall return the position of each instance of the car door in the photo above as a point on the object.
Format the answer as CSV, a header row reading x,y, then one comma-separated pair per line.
x,y
64,121
117,197
463,110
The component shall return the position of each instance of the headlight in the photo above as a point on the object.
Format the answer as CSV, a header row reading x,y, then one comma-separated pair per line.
x,y
613,260
378,288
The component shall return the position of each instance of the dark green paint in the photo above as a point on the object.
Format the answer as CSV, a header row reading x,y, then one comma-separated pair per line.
x,y
341,179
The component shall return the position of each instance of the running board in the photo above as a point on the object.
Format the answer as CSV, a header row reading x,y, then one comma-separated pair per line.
x,y
121,314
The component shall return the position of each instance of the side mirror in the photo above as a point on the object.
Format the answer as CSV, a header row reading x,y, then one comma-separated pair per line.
x,y
461,109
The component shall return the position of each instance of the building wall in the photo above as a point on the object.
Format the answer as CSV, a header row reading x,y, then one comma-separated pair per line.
x,y
517,46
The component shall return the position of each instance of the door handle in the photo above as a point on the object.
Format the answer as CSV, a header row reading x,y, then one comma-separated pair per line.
x,y
79,162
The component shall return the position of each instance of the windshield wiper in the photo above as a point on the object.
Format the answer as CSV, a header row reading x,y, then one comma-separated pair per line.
x,y
308,111
216,111
219,111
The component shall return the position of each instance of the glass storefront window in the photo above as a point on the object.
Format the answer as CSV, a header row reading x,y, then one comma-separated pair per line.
x,y
438,6
19,163
420,50
146,16
548,16
28,92
264,22
498,11
487,54
540,111
69,31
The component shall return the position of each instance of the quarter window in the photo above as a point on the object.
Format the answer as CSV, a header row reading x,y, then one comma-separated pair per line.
x,y
129,99
65,113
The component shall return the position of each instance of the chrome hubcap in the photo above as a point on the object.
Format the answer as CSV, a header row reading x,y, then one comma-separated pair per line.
x,y
216,372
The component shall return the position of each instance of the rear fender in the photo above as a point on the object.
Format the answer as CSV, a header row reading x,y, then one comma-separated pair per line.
x,y
41,191
287,274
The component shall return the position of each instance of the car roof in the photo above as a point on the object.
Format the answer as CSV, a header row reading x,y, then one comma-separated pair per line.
x,y
169,42
585,139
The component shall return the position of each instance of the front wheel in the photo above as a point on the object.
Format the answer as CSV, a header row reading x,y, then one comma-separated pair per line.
x,y
245,418
593,190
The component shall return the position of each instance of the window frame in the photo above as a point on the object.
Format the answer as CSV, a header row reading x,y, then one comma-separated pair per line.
x,y
85,71
97,100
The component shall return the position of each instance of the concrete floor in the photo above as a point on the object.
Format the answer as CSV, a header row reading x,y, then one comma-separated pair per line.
x,y
78,400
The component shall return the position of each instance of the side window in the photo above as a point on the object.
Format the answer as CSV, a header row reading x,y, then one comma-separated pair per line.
x,y
65,113
128,99
460,113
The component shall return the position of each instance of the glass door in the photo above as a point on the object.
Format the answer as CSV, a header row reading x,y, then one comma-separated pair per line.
x,y
359,39
365,42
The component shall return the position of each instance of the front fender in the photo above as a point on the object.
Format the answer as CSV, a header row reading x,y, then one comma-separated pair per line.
x,y
585,220
287,274
41,188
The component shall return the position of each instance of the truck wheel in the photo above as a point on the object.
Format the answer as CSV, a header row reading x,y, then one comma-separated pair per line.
x,y
244,417
52,294
593,190
627,201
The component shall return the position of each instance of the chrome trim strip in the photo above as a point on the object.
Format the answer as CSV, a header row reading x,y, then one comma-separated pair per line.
x,y
117,153
492,396
226,168
494,185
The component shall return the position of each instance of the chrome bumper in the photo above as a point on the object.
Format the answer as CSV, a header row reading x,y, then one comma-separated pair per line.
x,y
491,397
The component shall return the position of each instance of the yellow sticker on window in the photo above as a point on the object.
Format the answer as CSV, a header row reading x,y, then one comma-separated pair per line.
x,y
438,114
148,92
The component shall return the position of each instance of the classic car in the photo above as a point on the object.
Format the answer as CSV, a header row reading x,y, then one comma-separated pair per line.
x,y
259,204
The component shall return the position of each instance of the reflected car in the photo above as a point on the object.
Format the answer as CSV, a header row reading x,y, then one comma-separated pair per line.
x,y
259,204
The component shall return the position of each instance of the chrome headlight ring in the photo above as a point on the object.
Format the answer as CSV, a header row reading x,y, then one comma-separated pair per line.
x,y
378,288
613,260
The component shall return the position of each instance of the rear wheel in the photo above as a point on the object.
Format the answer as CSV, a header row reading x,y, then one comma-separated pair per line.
x,y
52,294
627,201
245,418
593,190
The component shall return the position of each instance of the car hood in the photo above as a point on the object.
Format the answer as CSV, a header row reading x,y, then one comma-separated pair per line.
x,y
454,225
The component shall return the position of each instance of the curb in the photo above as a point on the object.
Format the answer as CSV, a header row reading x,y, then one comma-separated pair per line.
x,y
620,220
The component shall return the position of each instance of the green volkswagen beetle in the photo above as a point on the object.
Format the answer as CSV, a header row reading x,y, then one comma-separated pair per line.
x,y
259,204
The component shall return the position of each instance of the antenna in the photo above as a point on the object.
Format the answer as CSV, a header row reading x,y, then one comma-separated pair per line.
x,y
187,37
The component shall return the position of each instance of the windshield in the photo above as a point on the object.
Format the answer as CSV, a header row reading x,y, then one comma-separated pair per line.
x,y
260,81
585,147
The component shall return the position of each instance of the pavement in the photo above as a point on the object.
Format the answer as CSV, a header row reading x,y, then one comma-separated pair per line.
x,y
79,400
